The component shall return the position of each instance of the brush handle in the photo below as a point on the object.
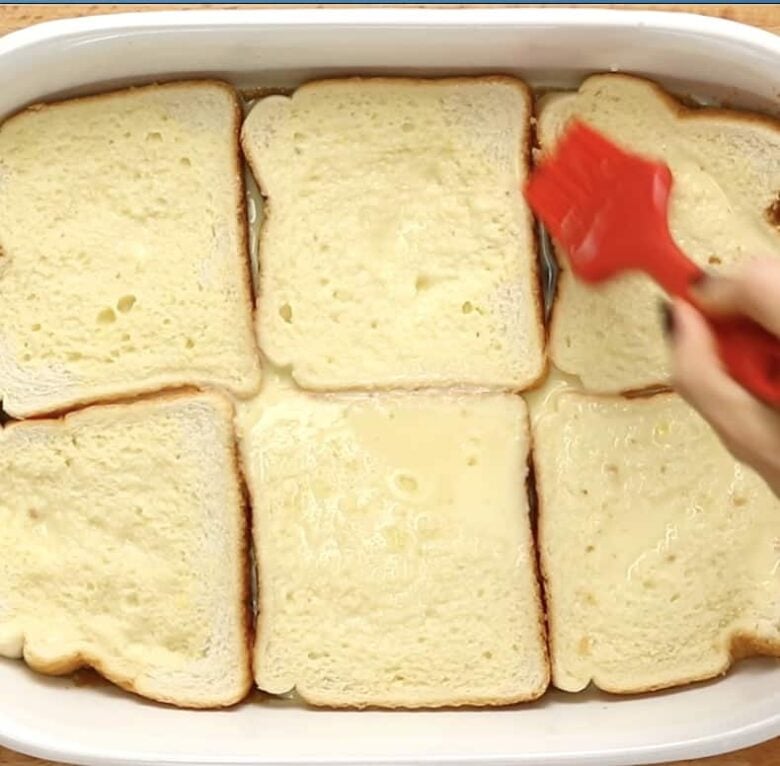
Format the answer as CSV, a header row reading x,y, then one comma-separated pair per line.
x,y
670,267
750,353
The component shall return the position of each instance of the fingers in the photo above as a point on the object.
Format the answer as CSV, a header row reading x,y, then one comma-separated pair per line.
x,y
749,429
754,292
699,375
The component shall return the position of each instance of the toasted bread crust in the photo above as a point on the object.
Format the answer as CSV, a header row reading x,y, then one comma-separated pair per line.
x,y
526,159
315,700
71,663
244,563
685,112
543,580
65,414
741,646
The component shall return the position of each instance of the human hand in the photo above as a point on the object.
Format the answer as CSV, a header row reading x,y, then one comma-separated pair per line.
x,y
749,428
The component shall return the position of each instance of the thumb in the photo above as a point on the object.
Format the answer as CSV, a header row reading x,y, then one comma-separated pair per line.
x,y
747,427
699,374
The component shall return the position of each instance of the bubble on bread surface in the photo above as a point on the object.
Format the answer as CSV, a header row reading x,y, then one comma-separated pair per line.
x,y
286,313
125,303
106,316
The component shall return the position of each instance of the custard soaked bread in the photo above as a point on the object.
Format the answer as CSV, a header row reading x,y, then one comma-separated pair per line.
x,y
661,554
726,168
395,560
123,261
397,249
123,546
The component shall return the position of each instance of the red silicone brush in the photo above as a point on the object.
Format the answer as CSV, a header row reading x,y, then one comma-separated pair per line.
x,y
608,209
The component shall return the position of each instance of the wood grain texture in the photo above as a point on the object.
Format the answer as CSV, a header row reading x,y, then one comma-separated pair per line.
x,y
7,758
767,16
17,16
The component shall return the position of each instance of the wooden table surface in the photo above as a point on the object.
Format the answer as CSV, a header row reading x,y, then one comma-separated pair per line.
x,y
767,16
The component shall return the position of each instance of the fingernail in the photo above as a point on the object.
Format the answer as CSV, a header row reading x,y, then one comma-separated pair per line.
x,y
667,318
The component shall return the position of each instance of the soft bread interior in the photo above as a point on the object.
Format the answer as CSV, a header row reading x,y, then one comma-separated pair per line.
x,y
659,551
123,260
123,547
395,560
726,168
397,248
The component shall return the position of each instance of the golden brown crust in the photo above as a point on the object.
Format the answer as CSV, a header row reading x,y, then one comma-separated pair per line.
x,y
254,607
263,91
645,392
243,221
160,85
744,645
504,79
244,559
313,700
540,581
128,396
243,556
682,111
81,660
741,646
526,160
651,688
255,610
262,230
159,395
533,500
543,564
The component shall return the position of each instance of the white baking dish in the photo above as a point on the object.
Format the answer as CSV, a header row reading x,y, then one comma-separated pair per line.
x,y
709,58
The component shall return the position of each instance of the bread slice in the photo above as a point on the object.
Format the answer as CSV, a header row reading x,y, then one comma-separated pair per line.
x,y
123,546
123,256
661,554
726,168
397,250
395,560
